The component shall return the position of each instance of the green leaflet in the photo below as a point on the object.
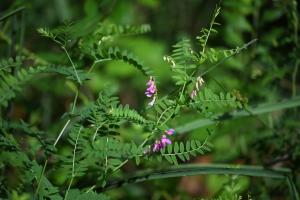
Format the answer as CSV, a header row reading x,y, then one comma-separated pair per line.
x,y
209,103
10,85
114,53
6,64
184,151
124,112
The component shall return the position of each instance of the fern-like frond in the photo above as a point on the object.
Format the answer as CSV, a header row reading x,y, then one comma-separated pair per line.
x,y
114,53
184,152
67,72
205,33
124,112
182,52
113,30
10,85
207,101
6,64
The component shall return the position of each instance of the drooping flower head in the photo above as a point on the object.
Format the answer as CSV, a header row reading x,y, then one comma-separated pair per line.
x,y
151,87
160,144
163,142
157,146
199,83
151,90
193,94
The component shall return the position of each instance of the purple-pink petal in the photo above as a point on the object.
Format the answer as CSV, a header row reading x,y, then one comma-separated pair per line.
x,y
151,88
165,140
170,131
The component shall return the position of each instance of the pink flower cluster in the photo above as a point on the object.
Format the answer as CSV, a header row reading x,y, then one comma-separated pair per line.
x,y
163,142
151,90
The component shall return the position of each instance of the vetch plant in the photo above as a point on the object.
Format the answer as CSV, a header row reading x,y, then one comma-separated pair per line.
x,y
94,128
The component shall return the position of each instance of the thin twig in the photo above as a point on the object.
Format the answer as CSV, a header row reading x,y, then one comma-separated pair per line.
x,y
65,50
61,132
73,163
40,179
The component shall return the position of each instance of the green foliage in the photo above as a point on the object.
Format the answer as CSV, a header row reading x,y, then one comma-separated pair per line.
x,y
11,84
207,102
94,130
6,64
124,112
104,133
77,195
184,152
113,53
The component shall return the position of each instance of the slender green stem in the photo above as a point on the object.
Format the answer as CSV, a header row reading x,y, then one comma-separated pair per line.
x,y
40,179
74,102
106,158
90,189
119,166
75,71
210,28
69,187
294,78
96,62
73,163
245,46
61,132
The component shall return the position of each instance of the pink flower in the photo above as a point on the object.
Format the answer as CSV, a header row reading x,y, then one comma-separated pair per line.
x,y
160,144
157,146
165,141
170,131
151,89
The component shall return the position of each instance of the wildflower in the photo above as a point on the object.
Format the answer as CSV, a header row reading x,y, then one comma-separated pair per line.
x,y
151,90
170,131
157,146
170,60
160,144
164,141
199,83
193,94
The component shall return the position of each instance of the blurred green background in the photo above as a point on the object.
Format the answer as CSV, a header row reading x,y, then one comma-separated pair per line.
x,y
266,72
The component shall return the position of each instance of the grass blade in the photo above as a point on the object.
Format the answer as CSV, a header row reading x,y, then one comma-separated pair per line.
x,y
254,110
200,169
